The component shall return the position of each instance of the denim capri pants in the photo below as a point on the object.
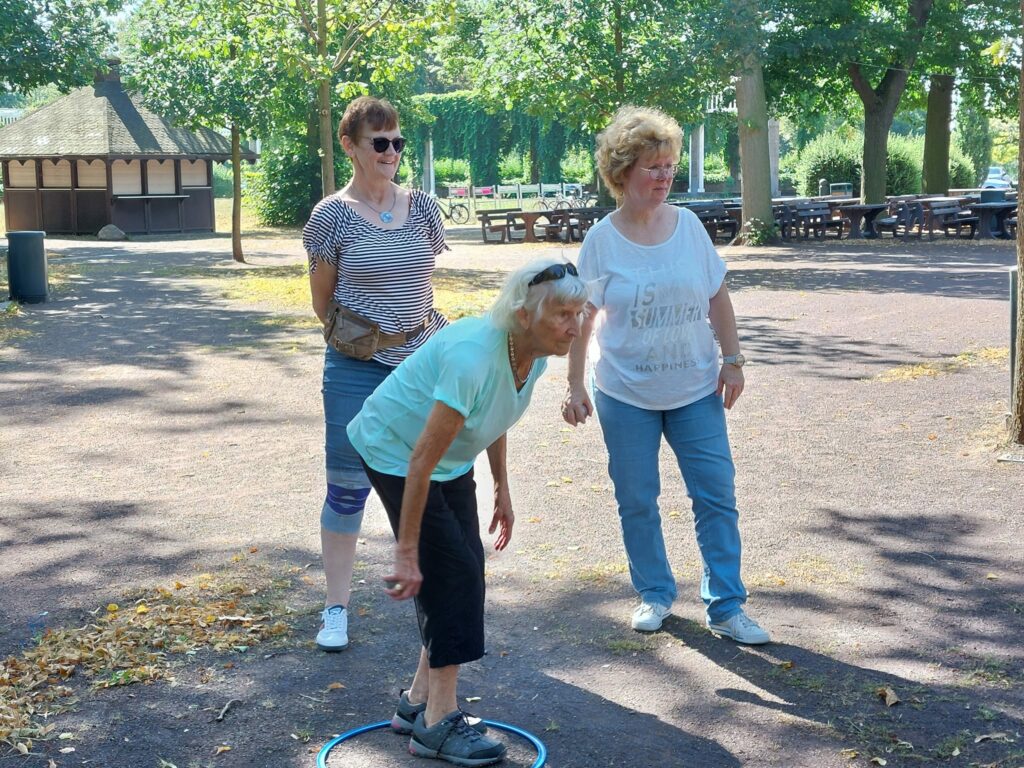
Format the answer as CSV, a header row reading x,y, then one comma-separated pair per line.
x,y
347,383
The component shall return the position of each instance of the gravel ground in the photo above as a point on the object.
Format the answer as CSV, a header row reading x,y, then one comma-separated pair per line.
x,y
151,429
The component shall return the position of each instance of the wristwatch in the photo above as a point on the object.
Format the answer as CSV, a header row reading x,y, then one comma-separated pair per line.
x,y
738,360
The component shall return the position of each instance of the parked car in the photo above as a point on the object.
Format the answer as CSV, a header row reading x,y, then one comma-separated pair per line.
x,y
996,179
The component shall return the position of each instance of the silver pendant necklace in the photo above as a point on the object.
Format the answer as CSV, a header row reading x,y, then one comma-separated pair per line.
x,y
386,216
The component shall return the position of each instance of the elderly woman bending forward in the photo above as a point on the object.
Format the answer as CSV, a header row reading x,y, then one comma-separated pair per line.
x,y
419,434
656,281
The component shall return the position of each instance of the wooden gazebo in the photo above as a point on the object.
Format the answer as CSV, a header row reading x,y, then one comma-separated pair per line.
x,y
97,157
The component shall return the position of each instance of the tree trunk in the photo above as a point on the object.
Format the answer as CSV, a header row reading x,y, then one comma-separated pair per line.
x,y
936,135
880,103
752,116
1017,407
313,152
236,195
324,104
534,161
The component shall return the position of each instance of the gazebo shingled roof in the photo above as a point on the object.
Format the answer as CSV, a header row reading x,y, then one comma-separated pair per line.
x,y
101,120
97,157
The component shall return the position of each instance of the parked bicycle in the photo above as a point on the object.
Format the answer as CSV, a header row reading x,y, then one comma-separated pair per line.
x,y
457,212
561,202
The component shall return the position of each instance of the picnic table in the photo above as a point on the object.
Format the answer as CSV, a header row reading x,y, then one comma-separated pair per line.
x,y
989,213
528,220
494,222
862,219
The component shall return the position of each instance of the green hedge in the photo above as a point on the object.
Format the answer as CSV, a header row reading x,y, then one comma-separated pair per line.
x,y
837,158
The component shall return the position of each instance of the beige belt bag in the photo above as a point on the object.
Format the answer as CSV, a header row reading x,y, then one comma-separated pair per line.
x,y
357,337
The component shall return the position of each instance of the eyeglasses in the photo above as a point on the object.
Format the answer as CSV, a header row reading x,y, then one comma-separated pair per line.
x,y
380,144
554,272
662,171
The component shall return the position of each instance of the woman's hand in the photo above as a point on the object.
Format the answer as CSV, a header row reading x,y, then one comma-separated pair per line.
x,y
405,578
576,405
730,383
503,516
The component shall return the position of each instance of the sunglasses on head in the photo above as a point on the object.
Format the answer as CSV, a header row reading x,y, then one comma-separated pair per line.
x,y
380,144
554,272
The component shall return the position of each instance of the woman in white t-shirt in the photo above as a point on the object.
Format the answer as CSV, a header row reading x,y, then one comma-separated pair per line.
x,y
655,280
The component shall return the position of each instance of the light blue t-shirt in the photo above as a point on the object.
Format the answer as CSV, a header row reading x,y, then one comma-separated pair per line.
x,y
466,367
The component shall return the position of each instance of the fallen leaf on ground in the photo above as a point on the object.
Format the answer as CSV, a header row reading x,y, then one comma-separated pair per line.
x,y
335,686
66,750
786,665
888,695
991,737
222,749
533,520
113,608
472,699
991,576
849,754
879,761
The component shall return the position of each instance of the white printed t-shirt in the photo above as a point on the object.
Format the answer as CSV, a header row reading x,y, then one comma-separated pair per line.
x,y
657,349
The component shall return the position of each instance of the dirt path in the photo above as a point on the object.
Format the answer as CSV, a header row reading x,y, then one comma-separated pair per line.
x,y
151,430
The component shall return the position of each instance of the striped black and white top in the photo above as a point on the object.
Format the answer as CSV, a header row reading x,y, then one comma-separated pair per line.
x,y
383,274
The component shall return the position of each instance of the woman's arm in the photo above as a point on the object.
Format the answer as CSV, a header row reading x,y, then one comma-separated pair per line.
x,y
576,406
322,282
442,426
723,320
502,496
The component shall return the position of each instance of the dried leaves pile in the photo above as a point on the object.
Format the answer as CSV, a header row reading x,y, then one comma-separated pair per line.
x,y
132,644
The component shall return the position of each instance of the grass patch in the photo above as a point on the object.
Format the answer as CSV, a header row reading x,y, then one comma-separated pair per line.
x,y
250,223
622,647
969,359
807,569
601,573
228,611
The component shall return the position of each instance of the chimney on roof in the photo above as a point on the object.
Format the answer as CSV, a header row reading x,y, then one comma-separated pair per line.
x,y
112,72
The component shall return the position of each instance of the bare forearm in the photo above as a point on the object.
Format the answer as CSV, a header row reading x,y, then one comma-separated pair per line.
x,y
321,289
723,320
578,350
414,501
496,457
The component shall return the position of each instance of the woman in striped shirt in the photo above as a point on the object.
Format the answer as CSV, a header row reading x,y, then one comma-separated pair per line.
x,y
371,247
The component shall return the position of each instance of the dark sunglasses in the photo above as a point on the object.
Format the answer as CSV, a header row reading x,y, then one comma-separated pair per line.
x,y
380,144
554,272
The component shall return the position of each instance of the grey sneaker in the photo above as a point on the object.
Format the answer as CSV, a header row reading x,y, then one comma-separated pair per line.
x,y
742,629
333,635
405,717
648,617
452,739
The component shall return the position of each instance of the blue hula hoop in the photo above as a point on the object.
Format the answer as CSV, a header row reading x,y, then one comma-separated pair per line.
x,y
542,751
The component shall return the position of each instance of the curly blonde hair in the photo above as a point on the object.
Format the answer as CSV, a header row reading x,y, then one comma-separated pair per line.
x,y
632,132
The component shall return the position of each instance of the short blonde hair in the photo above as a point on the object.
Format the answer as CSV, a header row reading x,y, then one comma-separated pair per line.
x,y
632,132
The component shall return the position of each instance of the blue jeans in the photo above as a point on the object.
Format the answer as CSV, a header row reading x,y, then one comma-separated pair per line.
x,y
697,435
347,383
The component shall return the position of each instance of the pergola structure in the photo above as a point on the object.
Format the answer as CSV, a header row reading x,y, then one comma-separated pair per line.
x,y
97,157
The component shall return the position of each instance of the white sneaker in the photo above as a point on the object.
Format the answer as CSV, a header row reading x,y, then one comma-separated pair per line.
x,y
333,635
742,629
648,617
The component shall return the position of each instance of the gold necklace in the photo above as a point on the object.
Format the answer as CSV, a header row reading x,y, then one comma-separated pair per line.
x,y
515,365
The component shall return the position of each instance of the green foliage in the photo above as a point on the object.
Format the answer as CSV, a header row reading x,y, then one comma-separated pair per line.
x,y
836,157
451,171
903,167
974,137
578,166
830,156
52,41
283,186
962,173
715,170
512,169
222,179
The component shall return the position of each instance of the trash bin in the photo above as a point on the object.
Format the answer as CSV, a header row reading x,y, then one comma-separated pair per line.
x,y
841,189
26,267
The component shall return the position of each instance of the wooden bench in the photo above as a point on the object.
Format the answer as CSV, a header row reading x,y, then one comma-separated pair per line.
x,y
785,220
952,218
817,217
905,215
714,217
493,222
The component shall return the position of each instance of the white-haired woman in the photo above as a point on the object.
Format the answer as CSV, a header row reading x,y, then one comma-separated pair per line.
x,y
657,281
419,434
